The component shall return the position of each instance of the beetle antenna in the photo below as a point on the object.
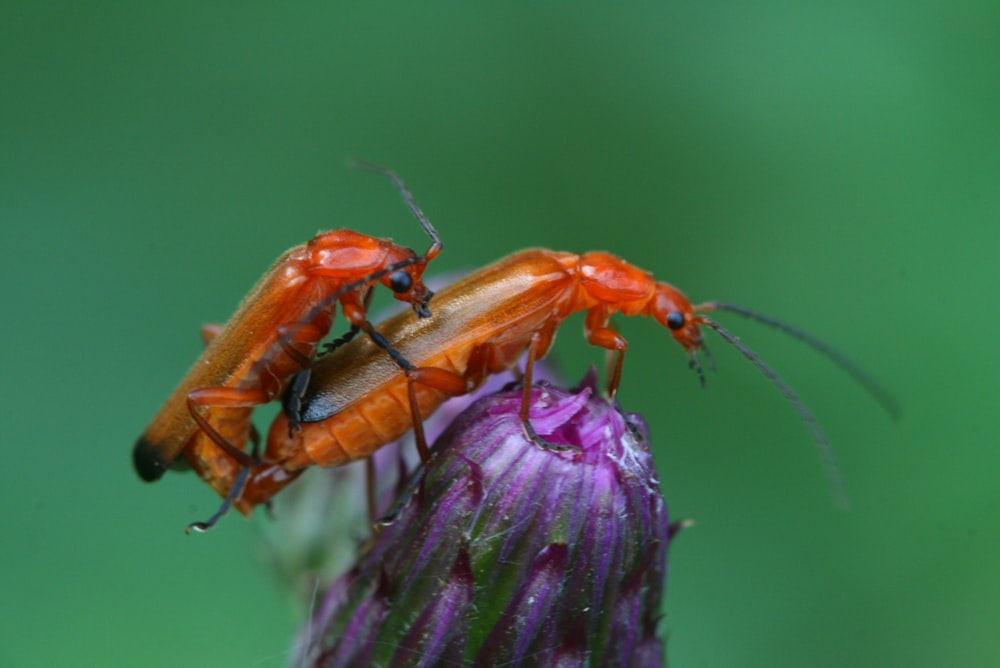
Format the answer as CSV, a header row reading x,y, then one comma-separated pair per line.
x,y
709,359
695,365
411,204
829,459
860,376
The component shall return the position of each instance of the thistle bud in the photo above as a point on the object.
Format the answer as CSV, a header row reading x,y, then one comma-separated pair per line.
x,y
506,552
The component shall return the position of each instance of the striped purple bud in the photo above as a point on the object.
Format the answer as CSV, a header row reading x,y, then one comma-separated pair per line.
x,y
507,553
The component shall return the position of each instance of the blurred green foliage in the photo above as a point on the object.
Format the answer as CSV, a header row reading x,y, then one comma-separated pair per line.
x,y
835,165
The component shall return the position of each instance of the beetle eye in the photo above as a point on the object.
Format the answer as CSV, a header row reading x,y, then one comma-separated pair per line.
x,y
675,320
400,281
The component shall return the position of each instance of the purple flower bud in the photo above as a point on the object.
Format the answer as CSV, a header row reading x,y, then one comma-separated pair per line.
x,y
508,553
309,543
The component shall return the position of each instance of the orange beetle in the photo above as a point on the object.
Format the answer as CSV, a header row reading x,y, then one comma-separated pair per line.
x,y
355,400
272,336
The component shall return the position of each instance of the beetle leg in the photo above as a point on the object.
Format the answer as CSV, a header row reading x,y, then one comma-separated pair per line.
x,y
291,402
440,379
224,397
234,494
540,341
286,339
341,340
346,337
599,334
413,485
254,442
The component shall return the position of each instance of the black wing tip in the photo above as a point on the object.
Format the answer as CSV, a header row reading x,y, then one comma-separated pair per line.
x,y
148,460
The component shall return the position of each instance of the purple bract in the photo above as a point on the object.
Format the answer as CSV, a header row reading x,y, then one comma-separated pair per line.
x,y
507,553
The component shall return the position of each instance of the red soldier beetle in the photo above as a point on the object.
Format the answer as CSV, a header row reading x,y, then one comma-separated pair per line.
x,y
272,336
353,401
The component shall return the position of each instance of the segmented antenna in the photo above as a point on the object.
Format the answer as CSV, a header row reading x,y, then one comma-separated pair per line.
x,y
695,365
830,465
877,392
411,203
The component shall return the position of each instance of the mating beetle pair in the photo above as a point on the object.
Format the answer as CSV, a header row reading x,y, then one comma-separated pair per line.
x,y
367,392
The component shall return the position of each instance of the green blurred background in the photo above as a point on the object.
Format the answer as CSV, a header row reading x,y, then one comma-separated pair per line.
x,y
833,165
